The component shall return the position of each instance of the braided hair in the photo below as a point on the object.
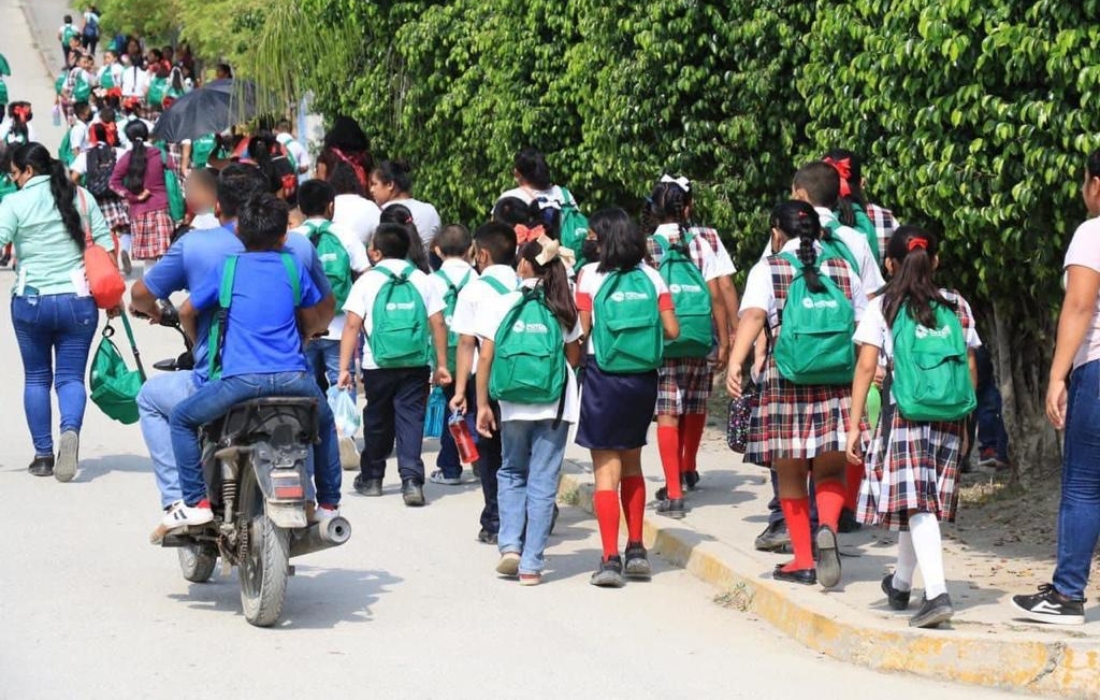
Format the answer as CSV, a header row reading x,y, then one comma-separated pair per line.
x,y
799,220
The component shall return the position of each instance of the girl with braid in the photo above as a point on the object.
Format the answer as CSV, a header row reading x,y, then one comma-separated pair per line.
x,y
801,429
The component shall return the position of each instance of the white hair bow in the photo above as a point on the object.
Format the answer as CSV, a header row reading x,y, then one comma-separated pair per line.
x,y
683,182
552,250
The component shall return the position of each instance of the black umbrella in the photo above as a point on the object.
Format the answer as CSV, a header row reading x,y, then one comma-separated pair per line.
x,y
207,110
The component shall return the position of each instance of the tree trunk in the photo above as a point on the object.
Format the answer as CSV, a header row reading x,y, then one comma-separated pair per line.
x,y
1022,356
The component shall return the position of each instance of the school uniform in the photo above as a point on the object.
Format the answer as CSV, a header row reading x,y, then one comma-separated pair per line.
x,y
115,71
472,301
358,215
115,209
793,421
911,465
616,409
396,397
885,224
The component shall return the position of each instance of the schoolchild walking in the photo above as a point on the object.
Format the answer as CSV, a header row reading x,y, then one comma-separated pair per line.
x,y
854,209
689,267
494,256
626,314
398,310
927,336
530,344
809,300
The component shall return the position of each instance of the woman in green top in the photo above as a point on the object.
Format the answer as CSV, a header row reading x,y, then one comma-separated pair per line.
x,y
51,308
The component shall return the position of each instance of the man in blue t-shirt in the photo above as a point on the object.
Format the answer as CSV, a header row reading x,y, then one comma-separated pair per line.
x,y
197,257
272,306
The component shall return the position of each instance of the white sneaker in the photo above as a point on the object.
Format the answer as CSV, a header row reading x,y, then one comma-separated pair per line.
x,y
438,478
179,515
320,514
349,454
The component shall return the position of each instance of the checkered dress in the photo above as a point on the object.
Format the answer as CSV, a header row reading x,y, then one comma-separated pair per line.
x,y
152,234
116,211
914,466
794,421
885,225
684,383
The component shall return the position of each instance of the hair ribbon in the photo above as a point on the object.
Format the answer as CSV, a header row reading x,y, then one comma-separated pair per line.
x,y
526,235
551,251
843,168
682,182
917,242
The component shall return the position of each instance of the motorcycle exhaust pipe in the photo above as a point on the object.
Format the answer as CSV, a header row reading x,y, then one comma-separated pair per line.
x,y
323,535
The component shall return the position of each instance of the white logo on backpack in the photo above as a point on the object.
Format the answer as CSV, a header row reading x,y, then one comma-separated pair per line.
x,y
820,304
521,327
923,332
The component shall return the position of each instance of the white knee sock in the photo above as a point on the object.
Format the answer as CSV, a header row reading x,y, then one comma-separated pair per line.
x,y
925,530
126,242
907,562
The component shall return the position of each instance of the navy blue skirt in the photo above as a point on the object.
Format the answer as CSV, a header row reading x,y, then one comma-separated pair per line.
x,y
616,409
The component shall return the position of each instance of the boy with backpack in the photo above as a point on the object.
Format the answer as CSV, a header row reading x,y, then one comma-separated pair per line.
x,y
401,314
65,35
343,259
452,245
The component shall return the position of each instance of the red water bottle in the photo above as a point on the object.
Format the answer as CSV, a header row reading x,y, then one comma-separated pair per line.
x,y
467,448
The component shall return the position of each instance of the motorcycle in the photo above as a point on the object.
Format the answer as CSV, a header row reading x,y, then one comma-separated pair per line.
x,y
254,464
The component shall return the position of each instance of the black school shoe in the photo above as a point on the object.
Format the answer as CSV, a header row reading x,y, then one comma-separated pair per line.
x,y
933,613
610,573
368,487
827,557
42,466
898,600
413,494
1050,606
805,577
673,508
637,562
486,537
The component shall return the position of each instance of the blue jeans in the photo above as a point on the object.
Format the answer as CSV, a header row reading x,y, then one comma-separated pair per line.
x,y
61,325
1079,511
991,427
527,486
324,356
215,398
447,459
159,396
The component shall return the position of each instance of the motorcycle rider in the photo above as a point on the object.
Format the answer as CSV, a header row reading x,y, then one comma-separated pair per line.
x,y
259,354
192,259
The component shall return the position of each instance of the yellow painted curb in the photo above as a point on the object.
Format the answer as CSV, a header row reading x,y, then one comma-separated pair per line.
x,y
1069,668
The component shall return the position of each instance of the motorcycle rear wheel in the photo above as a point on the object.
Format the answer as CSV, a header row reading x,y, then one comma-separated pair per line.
x,y
264,571
197,563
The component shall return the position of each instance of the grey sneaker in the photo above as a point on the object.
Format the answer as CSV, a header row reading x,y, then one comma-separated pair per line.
x,y
68,455
933,613
610,573
637,562
437,477
774,538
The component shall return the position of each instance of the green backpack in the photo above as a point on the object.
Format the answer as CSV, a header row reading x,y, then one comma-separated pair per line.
x,y
627,327
3,94
450,298
815,344
931,375
65,150
334,259
106,78
528,357
59,84
574,225
158,90
400,337
7,186
219,326
833,247
867,227
82,90
690,296
177,202
112,385
201,150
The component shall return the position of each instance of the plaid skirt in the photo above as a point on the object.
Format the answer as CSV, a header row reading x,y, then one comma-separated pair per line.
x,y
152,234
914,467
793,421
116,211
683,386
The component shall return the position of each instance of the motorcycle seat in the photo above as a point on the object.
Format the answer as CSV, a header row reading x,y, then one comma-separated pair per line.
x,y
263,418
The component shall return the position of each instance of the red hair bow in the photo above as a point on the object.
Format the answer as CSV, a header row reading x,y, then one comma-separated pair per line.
x,y
917,242
526,235
843,168
21,111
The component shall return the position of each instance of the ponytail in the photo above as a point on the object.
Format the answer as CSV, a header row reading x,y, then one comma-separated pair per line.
x,y
849,167
799,220
37,158
554,282
134,180
913,251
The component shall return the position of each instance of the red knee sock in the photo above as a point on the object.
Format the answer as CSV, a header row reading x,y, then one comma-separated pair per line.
x,y
691,434
606,505
633,496
855,479
668,442
797,513
830,501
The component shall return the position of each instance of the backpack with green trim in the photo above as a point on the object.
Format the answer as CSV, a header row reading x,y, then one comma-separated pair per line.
x,y
220,325
626,324
815,345
450,299
865,226
528,355
690,297
400,337
158,90
334,259
82,89
832,247
177,200
574,224
3,94
201,150
65,150
107,78
284,142
931,373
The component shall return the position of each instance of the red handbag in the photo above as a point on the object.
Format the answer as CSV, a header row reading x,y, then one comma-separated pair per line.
x,y
104,280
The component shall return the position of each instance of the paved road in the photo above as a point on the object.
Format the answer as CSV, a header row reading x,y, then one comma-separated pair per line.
x,y
409,608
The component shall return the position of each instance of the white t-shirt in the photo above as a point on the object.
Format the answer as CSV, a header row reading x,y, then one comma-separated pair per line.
x,y
856,242
78,136
205,222
1084,250
356,215
360,263
80,163
488,323
365,290
297,150
424,216
475,295
135,82
872,329
760,292
456,270
591,279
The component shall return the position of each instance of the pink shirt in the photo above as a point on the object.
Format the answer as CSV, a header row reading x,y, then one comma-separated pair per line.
x,y
1084,250
154,182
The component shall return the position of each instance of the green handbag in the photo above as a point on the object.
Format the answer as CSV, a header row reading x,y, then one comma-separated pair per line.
x,y
114,386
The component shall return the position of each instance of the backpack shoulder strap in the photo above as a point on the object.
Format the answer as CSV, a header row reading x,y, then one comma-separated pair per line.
x,y
292,273
662,242
216,338
496,284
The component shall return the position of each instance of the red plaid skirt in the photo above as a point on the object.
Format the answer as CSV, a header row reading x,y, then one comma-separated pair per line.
x,y
914,467
152,234
794,421
683,386
116,211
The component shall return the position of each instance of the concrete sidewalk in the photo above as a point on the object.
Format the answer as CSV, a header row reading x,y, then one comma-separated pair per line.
x,y
986,645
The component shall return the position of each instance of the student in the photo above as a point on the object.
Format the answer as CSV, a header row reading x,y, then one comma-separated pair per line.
x,y
626,313
494,256
109,75
803,416
353,212
223,71
78,133
346,143
94,168
453,246
65,35
274,305
395,360
196,153
89,35
139,179
135,82
201,191
1071,406
530,343
294,148
689,267
17,129
401,215
390,184
854,210
913,462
